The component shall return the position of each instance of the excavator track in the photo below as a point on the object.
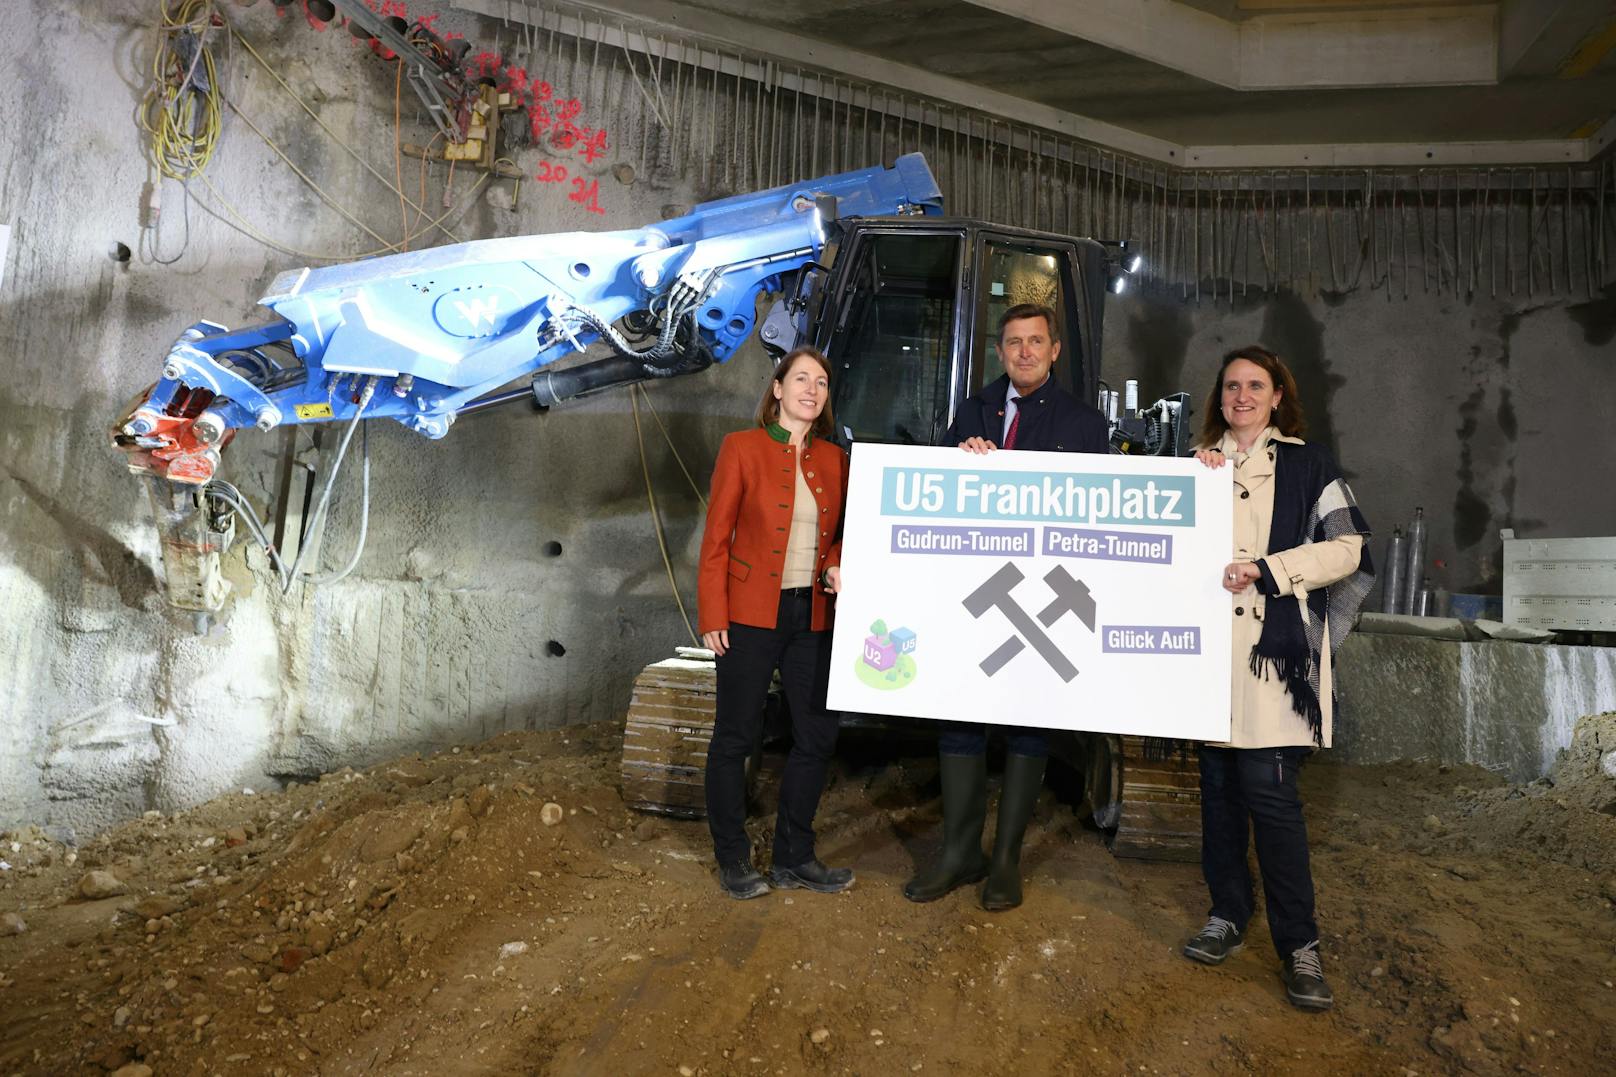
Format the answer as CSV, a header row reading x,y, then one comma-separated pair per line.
x,y
1148,803
665,737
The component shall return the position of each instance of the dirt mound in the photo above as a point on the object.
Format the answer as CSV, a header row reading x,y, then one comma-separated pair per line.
x,y
495,909
1569,816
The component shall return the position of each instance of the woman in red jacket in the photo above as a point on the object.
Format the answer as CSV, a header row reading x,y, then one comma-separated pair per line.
x,y
770,560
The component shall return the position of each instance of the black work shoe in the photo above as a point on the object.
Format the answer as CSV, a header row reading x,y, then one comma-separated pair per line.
x,y
811,876
1217,940
741,880
1304,979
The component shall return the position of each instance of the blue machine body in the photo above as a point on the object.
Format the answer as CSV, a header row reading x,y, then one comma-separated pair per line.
x,y
441,327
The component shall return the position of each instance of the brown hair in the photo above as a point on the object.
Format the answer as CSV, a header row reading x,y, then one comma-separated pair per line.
x,y
768,411
1030,310
1287,415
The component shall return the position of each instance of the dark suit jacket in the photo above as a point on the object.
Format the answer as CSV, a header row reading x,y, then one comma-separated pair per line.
x,y
743,548
1052,420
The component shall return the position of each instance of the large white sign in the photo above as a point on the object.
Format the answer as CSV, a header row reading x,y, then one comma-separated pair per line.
x,y
1062,590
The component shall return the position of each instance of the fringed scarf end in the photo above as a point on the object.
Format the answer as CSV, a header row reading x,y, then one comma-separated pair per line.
x,y
1296,674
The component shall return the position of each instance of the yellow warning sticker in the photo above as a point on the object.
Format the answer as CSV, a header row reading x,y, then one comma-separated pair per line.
x,y
313,411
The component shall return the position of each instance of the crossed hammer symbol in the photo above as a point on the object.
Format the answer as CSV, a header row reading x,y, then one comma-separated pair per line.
x,y
1071,596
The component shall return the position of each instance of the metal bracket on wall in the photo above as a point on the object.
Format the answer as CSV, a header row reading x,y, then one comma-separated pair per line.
x,y
442,92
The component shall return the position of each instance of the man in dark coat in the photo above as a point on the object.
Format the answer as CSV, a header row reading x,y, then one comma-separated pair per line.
x,y
1024,409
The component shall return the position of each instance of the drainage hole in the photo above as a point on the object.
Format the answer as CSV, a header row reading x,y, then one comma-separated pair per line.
x,y
552,549
554,649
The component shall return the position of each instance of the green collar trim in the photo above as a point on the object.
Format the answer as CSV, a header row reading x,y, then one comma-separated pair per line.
x,y
783,436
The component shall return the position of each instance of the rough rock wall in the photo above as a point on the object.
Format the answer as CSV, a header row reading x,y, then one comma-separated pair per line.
x,y
109,704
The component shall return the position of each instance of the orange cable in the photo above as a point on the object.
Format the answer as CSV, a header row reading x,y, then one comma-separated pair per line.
x,y
421,197
398,151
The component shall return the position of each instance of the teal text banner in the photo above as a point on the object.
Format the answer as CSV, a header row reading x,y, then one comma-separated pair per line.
x,y
1157,500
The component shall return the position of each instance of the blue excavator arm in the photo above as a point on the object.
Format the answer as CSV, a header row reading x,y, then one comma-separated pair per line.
x,y
424,336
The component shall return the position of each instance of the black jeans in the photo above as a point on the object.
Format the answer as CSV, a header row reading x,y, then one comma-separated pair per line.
x,y
1259,785
744,671
970,738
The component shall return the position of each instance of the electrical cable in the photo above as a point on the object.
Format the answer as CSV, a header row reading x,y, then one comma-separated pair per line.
x,y
345,147
656,519
181,112
364,513
242,224
671,447
331,479
315,187
227,493
185,212
184,134
398,150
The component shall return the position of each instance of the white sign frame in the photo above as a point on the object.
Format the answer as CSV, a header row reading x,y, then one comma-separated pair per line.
x,y
983,571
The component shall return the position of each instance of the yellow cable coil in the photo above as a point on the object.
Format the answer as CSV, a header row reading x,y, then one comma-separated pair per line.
x,y
183,123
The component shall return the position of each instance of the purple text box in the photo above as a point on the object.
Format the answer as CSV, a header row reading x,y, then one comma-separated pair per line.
x,y
1148,548
984,541
1150,639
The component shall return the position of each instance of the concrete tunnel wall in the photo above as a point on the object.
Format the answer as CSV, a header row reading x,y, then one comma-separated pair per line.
x,y
110,704
1486,412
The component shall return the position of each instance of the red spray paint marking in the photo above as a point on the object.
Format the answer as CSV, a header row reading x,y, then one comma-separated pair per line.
x,y
562,129
588,196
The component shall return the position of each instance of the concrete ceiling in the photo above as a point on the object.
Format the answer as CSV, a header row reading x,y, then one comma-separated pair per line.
x,y
1219,83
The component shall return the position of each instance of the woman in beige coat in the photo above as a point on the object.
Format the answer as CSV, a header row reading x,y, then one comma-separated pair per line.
x,y
1300,571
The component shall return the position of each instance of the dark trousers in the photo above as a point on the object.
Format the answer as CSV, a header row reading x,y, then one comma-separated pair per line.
x,y
971,738
744,672
1259,785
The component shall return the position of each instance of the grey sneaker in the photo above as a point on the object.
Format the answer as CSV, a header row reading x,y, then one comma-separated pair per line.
x,y
1304,979
1217,940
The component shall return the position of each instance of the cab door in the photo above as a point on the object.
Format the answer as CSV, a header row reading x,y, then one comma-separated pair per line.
x,y
893,333
1011,269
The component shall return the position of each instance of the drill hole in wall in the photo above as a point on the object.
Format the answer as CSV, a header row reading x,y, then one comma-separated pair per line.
x,y
552,549
554,649
119,252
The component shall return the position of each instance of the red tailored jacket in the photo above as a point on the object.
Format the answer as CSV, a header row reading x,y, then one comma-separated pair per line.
x,y
743,548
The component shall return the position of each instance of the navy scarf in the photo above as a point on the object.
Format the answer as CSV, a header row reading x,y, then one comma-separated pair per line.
x,y
1312,503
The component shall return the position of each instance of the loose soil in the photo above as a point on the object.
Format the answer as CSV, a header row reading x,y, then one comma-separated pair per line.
x,y
423,917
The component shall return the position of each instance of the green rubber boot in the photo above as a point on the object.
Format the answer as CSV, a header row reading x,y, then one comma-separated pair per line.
x,y
1023,781
965,812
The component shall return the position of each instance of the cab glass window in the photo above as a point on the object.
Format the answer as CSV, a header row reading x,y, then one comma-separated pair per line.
x,y
893,345
1015,273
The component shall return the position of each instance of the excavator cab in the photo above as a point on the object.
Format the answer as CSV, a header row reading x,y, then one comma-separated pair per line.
x,y
910,310
907,309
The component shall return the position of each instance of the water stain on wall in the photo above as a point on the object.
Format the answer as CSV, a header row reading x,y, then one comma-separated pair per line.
x,y
1291,330
1471,515
1159,339
1597,317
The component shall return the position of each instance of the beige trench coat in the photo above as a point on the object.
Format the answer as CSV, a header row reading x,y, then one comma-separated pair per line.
x,y
1260,710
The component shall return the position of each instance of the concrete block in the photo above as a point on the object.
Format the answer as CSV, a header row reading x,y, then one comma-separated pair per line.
x,y
1507,706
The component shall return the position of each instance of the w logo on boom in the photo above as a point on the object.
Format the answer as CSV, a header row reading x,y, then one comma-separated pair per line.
x,y
478,309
